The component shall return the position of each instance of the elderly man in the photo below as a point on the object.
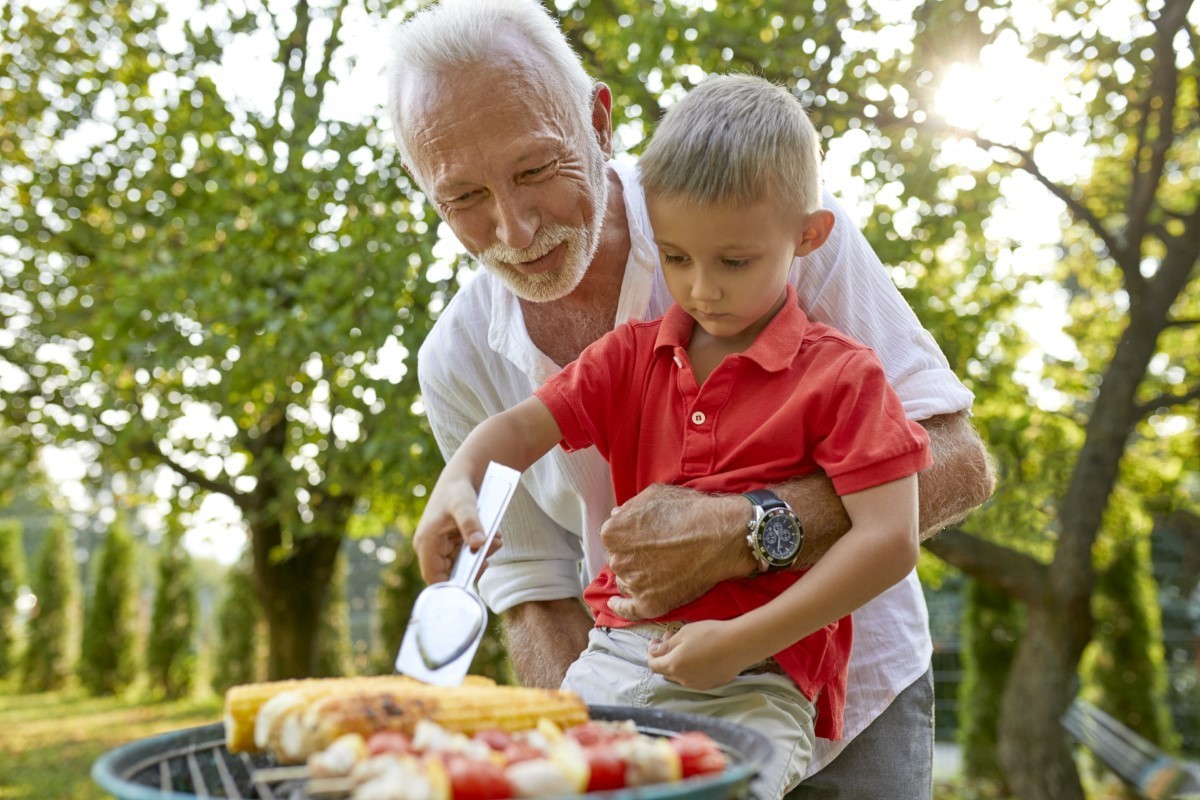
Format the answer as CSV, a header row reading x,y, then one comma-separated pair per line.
x,y
503,130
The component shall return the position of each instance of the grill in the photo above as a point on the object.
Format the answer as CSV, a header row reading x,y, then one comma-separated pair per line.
x,y
194,763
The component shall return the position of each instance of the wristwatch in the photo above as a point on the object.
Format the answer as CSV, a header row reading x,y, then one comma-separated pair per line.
x,y
775,533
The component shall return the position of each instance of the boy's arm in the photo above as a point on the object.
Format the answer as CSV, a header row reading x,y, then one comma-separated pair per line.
x,y
700,539
516,438
880,548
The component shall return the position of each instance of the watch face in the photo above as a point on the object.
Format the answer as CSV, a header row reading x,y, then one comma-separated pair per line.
x,y
780,536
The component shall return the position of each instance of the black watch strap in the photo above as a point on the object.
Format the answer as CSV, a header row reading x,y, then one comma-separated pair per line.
x,y
766,498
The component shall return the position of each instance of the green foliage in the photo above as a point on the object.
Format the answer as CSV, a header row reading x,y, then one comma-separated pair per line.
x,y
334,658
1125,661
170,651
12,577
172,245
51,646
108,663
236,657
991,625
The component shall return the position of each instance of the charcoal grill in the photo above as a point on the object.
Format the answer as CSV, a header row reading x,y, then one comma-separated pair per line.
x,y
194,763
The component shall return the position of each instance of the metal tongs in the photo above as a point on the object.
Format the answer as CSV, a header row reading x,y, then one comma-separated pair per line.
x,y
448,619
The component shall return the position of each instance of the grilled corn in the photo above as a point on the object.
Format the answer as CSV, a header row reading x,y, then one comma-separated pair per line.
x,y
244,703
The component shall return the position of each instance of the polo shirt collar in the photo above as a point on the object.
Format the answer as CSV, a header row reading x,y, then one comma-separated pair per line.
x,y
775,348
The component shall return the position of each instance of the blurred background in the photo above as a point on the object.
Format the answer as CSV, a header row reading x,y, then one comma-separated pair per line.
x,y
215,275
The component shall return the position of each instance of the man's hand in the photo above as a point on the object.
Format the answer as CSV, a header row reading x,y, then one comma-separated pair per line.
x,y
669,545
451,516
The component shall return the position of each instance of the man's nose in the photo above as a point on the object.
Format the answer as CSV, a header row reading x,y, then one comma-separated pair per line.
x,y
517,219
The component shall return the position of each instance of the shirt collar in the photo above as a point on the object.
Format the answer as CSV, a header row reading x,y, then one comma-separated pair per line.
x,y
775,348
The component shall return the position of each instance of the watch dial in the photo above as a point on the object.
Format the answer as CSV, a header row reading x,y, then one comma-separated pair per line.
x,y
780,537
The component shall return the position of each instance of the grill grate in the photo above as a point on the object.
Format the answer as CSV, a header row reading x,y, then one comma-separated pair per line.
x,y
202,767
194,763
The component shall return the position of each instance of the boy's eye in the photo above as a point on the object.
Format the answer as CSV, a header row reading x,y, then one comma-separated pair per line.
x,y
735,263
674,258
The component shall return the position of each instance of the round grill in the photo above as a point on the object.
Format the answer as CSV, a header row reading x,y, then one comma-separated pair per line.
x,y
194,763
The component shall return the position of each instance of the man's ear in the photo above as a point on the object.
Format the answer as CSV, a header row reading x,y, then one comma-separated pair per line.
x,y
814,230
602,116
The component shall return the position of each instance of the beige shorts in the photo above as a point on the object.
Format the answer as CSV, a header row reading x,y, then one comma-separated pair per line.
x,y
613,671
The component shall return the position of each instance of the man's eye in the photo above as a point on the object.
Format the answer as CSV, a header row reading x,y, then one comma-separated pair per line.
x,y
536,171
462,199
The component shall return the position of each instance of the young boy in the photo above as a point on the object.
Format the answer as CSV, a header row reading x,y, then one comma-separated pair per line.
x,y
732,390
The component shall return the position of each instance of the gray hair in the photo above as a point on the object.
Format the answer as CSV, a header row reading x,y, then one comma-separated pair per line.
x,y
739,139
444,36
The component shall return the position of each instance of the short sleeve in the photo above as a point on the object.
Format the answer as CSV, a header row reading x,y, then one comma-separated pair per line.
x,y
869,440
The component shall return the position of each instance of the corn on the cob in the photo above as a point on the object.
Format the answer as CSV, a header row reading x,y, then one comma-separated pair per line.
x,y
465,709
243,703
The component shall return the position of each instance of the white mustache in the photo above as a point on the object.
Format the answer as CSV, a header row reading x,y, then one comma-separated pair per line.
x,y
544,241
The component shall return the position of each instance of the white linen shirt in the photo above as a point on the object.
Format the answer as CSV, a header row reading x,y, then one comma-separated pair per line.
x,y
478,360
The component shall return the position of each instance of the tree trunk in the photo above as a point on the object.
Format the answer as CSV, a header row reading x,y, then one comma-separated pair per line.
x,y
292,593
1032,748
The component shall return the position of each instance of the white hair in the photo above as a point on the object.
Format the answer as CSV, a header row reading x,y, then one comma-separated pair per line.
x,y
444,36
736,138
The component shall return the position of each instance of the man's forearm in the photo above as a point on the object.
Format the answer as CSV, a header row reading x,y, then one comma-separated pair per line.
x,y
544,638
958,482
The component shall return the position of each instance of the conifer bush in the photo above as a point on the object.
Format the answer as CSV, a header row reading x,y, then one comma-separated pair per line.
x,y
238,620
107,663
12,576
52,633
171,651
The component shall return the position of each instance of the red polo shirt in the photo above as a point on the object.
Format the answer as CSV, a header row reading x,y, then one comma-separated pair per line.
x,y
802,398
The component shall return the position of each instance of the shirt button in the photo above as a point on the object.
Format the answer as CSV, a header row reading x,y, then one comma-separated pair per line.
x,y
698,418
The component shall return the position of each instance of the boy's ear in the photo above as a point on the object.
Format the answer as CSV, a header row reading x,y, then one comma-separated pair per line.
x,y
814,230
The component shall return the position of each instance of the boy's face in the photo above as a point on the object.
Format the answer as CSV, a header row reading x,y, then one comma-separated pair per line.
x,y
727,264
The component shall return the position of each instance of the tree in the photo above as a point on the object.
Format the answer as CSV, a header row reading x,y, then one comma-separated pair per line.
x,y
51,645
12,577
170,651
107,663
238,621
223,286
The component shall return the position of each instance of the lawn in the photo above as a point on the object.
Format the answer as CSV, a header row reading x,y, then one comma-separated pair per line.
x,y
48,741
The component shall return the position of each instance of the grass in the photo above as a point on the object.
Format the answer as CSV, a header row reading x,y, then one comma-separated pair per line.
x,y
48,741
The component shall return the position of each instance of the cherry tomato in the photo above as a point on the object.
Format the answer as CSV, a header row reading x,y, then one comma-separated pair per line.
x,y
591,733
494,738
519,751
698,753
476,779
389,742
606,768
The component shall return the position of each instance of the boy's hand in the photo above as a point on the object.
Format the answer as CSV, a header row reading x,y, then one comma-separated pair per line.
x,y
451,517
698,655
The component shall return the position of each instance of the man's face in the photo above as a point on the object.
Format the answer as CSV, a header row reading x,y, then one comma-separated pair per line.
x,y
516,176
